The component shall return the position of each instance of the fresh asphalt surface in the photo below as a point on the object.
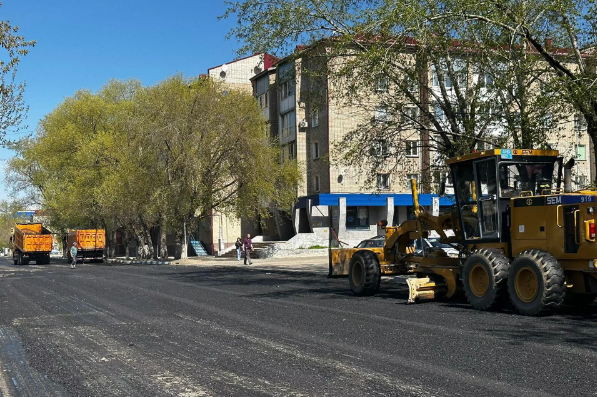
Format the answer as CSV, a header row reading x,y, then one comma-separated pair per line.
x,y
221,331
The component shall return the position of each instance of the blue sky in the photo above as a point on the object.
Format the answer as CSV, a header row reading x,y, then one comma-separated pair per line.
x,y
81,44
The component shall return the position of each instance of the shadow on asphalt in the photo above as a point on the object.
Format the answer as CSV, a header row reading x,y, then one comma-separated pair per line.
x,y
292,283
286,283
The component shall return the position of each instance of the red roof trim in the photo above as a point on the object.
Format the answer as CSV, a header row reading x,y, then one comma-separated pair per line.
x,y
268,60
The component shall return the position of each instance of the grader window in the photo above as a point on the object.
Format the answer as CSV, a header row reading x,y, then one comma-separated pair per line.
x,y
521,177
464,187
487,197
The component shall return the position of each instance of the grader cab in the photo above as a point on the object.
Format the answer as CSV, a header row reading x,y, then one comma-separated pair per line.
x,y
522,236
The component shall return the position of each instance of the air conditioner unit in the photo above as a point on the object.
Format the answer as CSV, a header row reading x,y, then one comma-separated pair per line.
x,y
303,124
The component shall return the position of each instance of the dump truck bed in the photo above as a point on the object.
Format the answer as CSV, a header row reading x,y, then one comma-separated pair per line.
x,y
32,237
88,239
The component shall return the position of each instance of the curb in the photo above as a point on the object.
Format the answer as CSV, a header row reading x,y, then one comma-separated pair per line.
x,y
109,262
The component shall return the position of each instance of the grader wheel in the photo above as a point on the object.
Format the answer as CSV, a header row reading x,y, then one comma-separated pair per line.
x,y
536,283
364,274
484,276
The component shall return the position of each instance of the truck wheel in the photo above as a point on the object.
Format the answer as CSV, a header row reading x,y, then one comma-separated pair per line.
x,y
575,299
484,277
536,283
19,258
364,274
15,259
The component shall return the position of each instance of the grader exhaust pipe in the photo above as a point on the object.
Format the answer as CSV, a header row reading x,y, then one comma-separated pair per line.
x,y
568,176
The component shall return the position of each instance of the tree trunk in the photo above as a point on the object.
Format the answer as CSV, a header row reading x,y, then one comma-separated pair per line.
x,y
184,246
163,244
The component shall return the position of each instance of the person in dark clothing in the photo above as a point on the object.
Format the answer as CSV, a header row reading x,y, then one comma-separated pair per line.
x,y
239,248
247,247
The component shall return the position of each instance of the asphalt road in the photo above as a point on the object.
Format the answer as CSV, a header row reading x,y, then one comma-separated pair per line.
x,y
209,331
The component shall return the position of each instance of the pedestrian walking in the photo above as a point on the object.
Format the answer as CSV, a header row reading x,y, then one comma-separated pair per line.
x,y
73,254
248,247
239,247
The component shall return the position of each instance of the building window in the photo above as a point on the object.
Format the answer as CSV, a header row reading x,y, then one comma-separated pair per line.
x,y
383,181
291,151
314,117
435,78
410,115
357,217
439,114
486,80
412,149
287,123
316,187
286,89
382,84
263,100
580,123
581,152
381,114
379,148
315,150
412,176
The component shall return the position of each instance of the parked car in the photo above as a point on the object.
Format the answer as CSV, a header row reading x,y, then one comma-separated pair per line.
x,y
373,242
434,243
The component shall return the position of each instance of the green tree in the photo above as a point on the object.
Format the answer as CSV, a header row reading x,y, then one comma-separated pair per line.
x,y
12,105
148,158
426,73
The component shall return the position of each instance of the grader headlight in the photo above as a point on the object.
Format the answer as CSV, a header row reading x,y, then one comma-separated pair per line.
x,y
590,230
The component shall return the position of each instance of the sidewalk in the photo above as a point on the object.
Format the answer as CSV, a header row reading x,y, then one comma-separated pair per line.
x,y
310,264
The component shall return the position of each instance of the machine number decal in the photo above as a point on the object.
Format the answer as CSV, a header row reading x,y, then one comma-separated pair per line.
x,y
570,199
506,154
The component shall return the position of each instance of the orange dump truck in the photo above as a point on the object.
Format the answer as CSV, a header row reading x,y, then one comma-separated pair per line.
x,y
90,244
32,242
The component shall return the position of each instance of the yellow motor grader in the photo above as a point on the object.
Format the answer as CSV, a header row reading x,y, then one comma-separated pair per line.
x,y
522,235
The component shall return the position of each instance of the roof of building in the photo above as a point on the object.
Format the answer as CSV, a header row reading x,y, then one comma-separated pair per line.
x,y
268,60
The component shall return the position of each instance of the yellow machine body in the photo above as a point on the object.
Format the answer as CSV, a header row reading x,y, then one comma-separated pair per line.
x,y
514,228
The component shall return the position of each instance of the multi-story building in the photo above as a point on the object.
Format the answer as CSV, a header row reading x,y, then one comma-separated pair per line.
x,y
313,119
308,122
237,74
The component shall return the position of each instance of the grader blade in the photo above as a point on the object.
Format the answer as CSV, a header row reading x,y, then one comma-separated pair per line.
x,y
424,289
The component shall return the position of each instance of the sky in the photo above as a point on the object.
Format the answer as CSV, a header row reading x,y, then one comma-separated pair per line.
x,y
82,44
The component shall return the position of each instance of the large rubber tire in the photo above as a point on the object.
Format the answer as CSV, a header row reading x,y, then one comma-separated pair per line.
x,y
15,259
573,299
364,274
536,283
19,258
484,279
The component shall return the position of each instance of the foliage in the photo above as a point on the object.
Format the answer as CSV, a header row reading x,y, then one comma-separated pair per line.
x,y
448,83
12,106
138,157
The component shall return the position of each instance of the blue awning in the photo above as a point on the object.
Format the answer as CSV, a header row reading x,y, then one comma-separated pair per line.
x,y
370,199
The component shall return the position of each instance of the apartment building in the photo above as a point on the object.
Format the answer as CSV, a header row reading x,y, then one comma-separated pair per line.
x,y
333,201
218,231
